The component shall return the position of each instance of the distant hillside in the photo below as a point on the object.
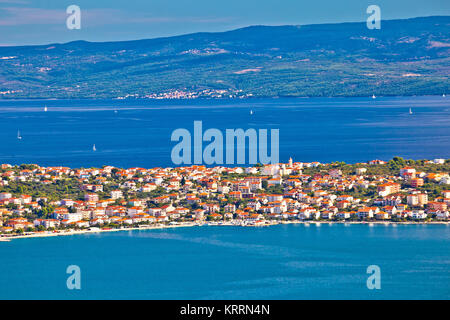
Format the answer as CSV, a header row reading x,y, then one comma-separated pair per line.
x,y
405,57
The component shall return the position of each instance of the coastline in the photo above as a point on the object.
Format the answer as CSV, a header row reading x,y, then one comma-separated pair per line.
x,y
228,224
253,98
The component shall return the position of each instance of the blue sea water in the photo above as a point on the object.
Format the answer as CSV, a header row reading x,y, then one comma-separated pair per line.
x,y
280,262
327,261
138,134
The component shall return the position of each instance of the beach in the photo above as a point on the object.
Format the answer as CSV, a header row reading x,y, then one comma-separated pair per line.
x,y
7,238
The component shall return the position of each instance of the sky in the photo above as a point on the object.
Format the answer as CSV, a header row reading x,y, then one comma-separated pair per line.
x,y
26,22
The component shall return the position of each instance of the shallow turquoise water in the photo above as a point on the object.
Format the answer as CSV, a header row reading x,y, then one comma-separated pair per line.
x,y
279,262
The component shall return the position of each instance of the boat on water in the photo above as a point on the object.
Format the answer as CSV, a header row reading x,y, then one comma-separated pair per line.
x,y
19,137
94,148
251,112
410,111
45,109
373,96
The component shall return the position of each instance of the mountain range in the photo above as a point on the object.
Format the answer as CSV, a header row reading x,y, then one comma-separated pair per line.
x,y
404,57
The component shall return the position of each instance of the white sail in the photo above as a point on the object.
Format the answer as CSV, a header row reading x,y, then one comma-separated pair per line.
x,y
45,109
18,135
94,148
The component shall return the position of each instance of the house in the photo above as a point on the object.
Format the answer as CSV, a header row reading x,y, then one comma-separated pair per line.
x,y
255,217
388,188
235,195
161,199
149,187
418,214
435,205
216,216
167,208
417,199
91,197
382,215
5,195
81,224
361,171
69,216
274,182
343,215
391,210
116,194
96,221
327,214
416,182
367,212
442,215
230,208
116,211
133,211
135,202
156,212
47,223
19,223
392,200
274,197
199,214
343,204
408,171
211,207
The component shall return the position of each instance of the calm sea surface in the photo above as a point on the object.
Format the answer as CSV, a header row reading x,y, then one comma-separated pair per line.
x,y
138,134
279,262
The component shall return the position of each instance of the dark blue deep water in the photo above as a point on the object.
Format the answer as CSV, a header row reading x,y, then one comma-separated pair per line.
x,y
279,262
138,134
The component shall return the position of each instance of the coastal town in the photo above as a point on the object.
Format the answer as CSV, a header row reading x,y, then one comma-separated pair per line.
x,y
46,201
188,94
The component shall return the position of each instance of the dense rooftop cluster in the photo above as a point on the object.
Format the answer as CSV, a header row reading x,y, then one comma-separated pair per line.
x,y
43,199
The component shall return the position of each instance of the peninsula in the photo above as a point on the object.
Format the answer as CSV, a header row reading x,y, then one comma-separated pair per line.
x,y
46,201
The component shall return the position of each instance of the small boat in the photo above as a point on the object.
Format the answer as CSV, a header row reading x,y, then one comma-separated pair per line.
x,y
45,109
94,148
443,96
373,96
410,111
251,112
18,135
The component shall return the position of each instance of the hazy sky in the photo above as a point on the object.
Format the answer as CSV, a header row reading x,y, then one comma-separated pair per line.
x,y
43,22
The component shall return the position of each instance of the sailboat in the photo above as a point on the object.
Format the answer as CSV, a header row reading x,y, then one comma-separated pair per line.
x,y
45,109
373,96
251,112
94,148
410,111
18,135
443,96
